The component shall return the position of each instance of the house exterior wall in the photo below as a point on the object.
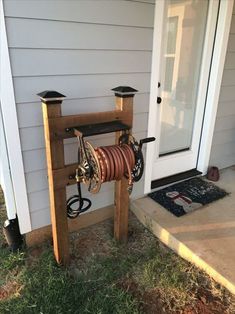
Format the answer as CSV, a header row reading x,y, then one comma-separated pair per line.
x,y
81,49
223,144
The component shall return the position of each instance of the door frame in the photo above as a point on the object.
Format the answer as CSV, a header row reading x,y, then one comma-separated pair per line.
x,y
213,89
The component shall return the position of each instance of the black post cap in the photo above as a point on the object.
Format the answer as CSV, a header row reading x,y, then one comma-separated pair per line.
x,y
50,96
124,91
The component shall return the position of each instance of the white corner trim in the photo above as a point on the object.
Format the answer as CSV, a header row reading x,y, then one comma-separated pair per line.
x,y
5,175
217,67
10,122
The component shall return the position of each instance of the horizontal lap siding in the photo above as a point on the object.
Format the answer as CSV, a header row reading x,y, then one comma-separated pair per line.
x,y
81,49
223,144
33,138
105,12
84,86
73,106
26,61
40,217
66,35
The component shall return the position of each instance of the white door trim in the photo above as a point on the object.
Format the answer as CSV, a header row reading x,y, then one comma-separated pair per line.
x,y
10,122
217,65
153,119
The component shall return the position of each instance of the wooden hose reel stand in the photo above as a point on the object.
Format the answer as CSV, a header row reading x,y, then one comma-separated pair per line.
x,y
93,166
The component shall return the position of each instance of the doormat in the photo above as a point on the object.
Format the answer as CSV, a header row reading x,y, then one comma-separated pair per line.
x,y
184,197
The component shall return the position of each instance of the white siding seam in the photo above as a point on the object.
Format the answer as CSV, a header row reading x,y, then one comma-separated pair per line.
x,y
223,115
221,130
80,74
226,101
39,169
219,118
86,195
225,143
226,85
229,68
41,209
82,49
90,97
35,171
108,188
40,125
41,190
100,137
75,98
77,22
75,140
145,2
224,155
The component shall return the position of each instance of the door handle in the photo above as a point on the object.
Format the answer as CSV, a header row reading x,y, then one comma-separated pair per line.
x,y
159,100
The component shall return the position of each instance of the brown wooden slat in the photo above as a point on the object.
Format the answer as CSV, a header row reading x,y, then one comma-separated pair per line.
x,y
121,210
61,176
126,107
55,160
121,194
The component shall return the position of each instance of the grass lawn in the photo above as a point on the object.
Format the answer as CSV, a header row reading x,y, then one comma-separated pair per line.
x,y
142,277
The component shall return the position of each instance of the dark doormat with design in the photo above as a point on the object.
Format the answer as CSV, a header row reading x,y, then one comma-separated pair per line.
x,y
184,197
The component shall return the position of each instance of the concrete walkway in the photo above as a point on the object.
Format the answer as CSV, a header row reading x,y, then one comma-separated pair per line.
x,y
205,237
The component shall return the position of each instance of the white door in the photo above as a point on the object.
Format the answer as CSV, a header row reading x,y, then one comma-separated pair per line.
x,y
184,35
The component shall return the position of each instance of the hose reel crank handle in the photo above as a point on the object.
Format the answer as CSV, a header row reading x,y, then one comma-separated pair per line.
x,y
146,140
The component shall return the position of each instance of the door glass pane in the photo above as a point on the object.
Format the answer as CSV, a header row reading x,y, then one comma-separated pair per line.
x,y
185,26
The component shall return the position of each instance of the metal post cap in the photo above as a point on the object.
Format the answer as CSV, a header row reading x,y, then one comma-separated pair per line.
x,y
124,91
50,95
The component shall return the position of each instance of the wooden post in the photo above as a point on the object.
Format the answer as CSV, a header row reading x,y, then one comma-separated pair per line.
x,y
58,173
51,106
124,102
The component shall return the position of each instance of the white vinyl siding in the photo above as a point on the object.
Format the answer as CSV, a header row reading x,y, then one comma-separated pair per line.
x,y
223,144
81,49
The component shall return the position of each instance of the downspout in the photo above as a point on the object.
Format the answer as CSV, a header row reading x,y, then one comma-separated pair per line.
x,y
11,225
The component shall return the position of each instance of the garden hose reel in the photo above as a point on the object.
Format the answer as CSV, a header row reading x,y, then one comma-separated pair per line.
x,y
97,165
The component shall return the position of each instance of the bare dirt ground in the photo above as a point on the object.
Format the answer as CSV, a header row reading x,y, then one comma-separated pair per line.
x,y
204,296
